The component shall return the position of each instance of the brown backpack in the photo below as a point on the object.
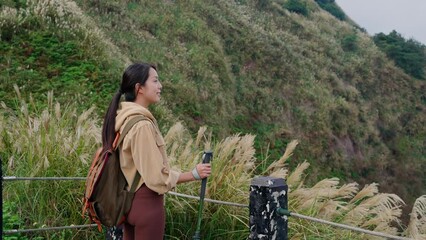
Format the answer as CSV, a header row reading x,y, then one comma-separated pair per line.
x,y
106,199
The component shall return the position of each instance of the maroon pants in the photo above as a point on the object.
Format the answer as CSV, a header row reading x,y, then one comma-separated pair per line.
x,y
146,219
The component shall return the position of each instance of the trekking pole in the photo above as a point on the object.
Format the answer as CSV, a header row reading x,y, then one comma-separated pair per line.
x,y
207,156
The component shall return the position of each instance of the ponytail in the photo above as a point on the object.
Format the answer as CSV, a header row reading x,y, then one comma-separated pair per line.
x,y
108,128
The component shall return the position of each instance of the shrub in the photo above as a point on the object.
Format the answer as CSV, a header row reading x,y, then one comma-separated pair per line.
x,y
410,55
331,7
297,6
349,43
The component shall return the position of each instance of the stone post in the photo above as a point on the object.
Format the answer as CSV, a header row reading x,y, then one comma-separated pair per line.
x,y
267,194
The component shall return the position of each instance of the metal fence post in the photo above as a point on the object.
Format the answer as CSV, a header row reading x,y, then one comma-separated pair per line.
x,y
267,194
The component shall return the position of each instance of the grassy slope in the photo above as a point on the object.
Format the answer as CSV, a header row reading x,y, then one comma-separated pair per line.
x,y
245,67
239,66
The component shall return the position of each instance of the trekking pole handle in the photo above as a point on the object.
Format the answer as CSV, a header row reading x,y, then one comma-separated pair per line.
x,y
207,156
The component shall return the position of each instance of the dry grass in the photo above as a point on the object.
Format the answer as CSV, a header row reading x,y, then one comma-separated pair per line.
x,y
233,156
277,165
232,163
46,139
233,170
417,226
54,141
38,136
365,208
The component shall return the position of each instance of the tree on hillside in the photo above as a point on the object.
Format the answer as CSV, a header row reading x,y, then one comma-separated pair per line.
x,y
331,7
410,55
297,6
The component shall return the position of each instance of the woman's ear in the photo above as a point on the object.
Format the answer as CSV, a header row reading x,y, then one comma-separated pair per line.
x,y
137,88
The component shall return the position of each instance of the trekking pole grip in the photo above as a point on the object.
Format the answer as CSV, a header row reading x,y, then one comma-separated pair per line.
x,y
207,156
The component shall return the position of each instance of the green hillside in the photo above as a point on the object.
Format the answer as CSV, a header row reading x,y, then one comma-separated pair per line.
x,y
236,66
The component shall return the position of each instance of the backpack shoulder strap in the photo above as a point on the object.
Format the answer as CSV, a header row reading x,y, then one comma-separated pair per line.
x,y
128,126
126,129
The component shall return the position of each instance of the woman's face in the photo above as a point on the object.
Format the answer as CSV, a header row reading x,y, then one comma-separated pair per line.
x,y
150,92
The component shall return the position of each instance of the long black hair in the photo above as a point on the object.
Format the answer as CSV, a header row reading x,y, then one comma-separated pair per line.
x,y
135,73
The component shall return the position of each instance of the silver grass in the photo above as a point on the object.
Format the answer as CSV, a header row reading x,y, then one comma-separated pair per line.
x,y
280,173
174,133
45,119
347,190
417,225
330,209
374,210
11,163
24,109
295,177
200,135
244,151
84,158
46,162
368,191
226,147
186,155
2,126
172,151
58,111
18,92
208,144
288,152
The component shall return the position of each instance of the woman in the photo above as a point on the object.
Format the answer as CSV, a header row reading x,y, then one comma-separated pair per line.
x,y
143,150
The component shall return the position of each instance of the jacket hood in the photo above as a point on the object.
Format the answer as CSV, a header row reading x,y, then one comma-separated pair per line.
x,y
129,109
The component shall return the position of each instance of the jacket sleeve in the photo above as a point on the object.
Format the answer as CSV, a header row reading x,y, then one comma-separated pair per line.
x,y
149,156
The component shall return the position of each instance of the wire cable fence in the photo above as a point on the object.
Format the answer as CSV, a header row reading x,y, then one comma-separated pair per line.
x,y
343,226
13,231
13,178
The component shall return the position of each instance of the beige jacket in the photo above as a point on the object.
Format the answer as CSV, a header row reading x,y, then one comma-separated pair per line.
x,y
143,150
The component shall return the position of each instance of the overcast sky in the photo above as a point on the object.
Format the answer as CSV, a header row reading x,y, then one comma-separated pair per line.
x,y
407,17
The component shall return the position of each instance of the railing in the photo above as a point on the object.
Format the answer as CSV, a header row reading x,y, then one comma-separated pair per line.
x,y
270,191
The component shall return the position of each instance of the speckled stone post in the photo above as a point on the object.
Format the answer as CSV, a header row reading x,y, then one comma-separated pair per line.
x,y
266,195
